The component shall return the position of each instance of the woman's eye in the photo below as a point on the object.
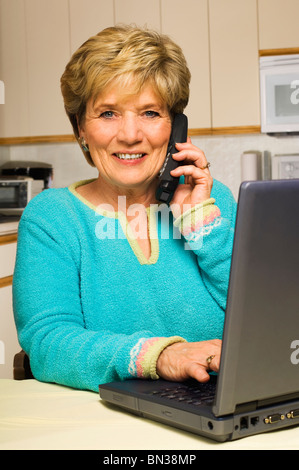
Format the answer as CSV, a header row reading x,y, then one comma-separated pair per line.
x,y
107,114
151,114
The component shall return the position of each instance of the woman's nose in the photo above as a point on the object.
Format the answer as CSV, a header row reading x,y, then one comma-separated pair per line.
x,y
129,131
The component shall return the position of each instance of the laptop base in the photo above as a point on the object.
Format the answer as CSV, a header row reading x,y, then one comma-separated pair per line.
x,y
198,420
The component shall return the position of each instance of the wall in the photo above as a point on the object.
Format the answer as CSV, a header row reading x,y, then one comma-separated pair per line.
x,y
224,153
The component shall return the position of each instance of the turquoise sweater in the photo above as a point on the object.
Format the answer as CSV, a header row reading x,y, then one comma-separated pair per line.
x,y
90,308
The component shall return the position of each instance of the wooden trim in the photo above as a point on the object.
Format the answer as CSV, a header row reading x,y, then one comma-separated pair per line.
x,y
225,130
48,139
5,281
200,131
285,51
236,130
42,139
5,239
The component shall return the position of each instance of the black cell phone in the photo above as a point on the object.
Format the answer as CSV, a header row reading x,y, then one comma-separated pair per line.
x,y
167,183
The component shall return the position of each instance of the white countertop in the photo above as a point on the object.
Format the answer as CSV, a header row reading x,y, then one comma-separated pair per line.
x,y
35,415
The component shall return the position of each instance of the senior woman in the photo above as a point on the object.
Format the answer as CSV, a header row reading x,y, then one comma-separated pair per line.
x,y
99,293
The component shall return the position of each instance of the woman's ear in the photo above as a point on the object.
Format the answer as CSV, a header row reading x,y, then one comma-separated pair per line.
x,y
79,127
81,136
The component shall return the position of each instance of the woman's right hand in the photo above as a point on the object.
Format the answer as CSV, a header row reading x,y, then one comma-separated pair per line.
x,y
181,361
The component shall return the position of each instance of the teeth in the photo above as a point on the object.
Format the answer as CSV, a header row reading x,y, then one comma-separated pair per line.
x,y
128,156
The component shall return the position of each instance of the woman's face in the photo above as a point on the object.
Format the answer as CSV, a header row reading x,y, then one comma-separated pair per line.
x,y
127,135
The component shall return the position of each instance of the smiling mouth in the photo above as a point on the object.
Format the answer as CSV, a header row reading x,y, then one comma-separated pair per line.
x,y
128,156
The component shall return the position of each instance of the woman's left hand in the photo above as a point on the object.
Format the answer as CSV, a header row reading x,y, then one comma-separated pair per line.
x,y
198,180
181,361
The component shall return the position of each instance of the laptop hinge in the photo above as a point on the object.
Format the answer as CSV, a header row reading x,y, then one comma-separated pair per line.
x,y
254,405
246,407
280,399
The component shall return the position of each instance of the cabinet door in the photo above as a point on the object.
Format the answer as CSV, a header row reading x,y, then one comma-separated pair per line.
x,y
187,24
14,117
278,24
7,257
48,50
9,344
88,19
234,63
140,12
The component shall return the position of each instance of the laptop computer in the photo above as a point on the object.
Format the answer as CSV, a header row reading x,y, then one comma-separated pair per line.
x,y
257,387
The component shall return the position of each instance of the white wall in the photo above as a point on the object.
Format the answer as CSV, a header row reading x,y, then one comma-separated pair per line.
x,y
224,153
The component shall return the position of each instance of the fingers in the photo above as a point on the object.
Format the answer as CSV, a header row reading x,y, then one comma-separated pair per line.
x,y
189,170
198,372
215,363
191,154
195,168
181,361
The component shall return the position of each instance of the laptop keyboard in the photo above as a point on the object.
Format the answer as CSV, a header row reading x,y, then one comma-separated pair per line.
x,y
197,394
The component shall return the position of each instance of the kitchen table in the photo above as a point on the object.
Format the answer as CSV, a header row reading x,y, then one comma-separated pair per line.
x,y
35,415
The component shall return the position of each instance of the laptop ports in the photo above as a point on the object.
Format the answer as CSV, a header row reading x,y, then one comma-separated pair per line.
x,y
254,420
244,423
293,414
275,418
247,421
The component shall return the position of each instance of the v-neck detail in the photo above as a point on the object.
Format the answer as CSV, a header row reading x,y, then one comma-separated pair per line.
x,y
126,228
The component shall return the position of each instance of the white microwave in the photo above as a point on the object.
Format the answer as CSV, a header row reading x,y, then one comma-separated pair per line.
x,y
279,93
16,192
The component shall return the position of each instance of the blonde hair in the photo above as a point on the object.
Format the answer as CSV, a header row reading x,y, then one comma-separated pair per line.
x,y
123,53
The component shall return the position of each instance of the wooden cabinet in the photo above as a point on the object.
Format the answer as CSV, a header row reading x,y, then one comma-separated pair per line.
x,y
7,257
220,38
14,113
140,12
47,41
9,344
87,19
234,63
278,24
189,29
33,54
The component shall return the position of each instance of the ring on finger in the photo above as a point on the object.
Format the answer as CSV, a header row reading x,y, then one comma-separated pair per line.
x,y
209,359
206,166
